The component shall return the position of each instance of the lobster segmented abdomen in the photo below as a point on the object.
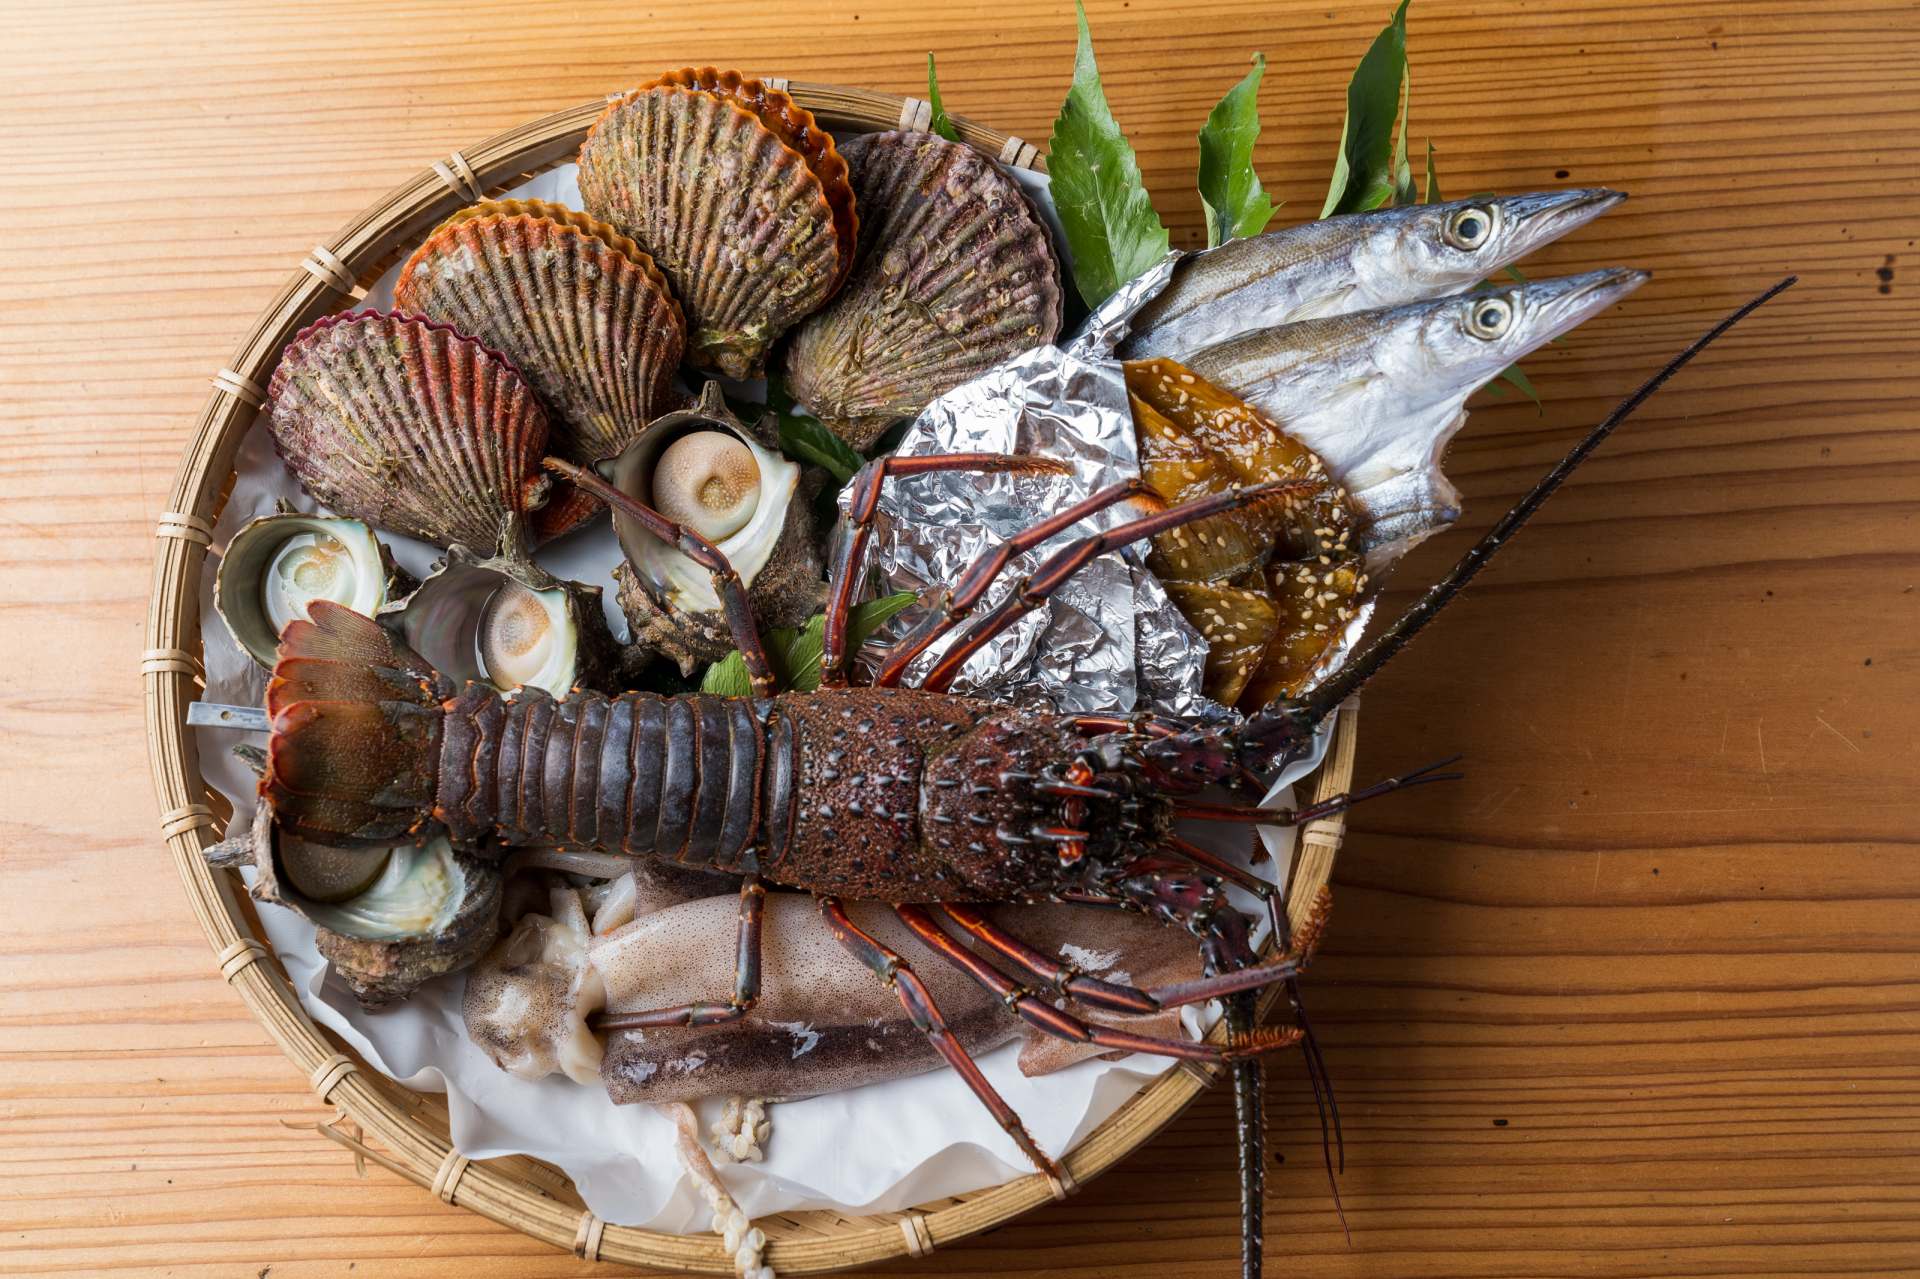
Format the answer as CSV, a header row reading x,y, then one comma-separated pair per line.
x,y
682,779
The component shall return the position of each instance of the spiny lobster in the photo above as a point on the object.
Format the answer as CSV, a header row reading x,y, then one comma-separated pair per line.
x,y
914,796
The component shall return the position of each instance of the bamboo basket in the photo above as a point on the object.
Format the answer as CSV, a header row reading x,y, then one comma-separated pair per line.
x,y
378,1119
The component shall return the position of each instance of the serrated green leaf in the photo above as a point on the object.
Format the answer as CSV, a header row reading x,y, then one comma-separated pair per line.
x,y
805,438
1363,172
1113,233
1229,188
1519,276
795,654
939,124
1433,178
1513,376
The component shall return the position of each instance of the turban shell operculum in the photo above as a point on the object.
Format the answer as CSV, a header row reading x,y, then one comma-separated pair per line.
x,y
956,273
579,308
739,196
704,468
388,919
276,566
506,622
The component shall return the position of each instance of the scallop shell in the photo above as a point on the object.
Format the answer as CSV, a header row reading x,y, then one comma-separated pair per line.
x,y
956,273
409,425
581,311
740,197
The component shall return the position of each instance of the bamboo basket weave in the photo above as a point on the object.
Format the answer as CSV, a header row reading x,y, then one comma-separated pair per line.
x,y
378,1119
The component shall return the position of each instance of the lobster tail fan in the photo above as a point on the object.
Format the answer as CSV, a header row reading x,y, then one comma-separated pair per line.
x,y
353,756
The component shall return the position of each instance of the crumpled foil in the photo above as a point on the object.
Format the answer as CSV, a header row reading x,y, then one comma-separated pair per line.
x,y
1109,640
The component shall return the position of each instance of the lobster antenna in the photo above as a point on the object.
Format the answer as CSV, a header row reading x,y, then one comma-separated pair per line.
x,y
1320,701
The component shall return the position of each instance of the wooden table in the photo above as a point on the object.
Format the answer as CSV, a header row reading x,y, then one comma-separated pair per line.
x,y
1638,998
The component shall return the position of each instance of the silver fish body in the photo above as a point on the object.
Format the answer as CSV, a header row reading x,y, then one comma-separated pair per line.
x,y
1356,262
1379,394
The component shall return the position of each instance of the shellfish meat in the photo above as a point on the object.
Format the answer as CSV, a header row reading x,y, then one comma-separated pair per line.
x,y
955,274
506,622
581,311
705,468
388,919
276,565
410,426
741,198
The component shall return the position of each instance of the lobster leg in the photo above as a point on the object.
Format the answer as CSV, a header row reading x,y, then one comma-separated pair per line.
x,y
985,570
746,978
918,1001
1063,564
861,505
726,582
1043,1016
1114,997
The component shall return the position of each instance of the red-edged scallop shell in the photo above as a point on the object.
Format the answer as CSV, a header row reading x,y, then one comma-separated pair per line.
x,y
740,197
955,274
409,425
581,311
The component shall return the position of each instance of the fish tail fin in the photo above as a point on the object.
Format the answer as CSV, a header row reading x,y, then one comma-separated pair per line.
x,y
356,722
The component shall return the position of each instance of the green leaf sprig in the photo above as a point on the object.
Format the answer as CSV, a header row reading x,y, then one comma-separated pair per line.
x,y
796,652
805,438
1112,228
941,123
1230,190
1366,171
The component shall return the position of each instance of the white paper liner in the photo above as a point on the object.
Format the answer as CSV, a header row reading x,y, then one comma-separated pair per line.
x,y
881,1148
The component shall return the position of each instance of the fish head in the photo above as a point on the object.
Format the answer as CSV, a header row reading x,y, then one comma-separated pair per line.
x,y
1429,250
1445,350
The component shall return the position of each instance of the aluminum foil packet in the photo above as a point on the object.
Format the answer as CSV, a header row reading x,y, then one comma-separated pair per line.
x,y
1110,640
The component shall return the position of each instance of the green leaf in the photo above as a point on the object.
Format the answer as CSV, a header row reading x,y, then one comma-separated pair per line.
x,y
1433,179
1229,188
795,655
1513,376
1113,233
1403,189
1519,276
940,124
805,438
1363,172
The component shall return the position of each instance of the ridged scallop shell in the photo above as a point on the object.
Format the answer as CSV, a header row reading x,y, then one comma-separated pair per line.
x,y
955,274
581,311
740,197
409,425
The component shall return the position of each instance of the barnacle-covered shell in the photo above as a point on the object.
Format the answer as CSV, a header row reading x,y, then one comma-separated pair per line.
x,y
410,426
581,311
741,198
506,622
408,913
955,274
760,522
277,565
1271,588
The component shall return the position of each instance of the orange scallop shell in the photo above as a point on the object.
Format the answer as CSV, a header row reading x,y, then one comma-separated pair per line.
x,y
583,313
739,196
411,426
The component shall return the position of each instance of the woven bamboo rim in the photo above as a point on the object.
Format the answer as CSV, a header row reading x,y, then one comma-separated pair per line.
x,y
378,1120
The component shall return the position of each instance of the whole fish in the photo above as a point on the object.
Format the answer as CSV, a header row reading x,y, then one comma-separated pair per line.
x,y
1378,394
1356,262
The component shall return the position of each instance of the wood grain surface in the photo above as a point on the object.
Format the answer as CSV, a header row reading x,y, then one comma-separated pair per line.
x,y
1640,997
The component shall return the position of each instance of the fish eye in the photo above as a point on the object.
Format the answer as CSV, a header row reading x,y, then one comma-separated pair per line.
x,y
1469,228
1489,318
